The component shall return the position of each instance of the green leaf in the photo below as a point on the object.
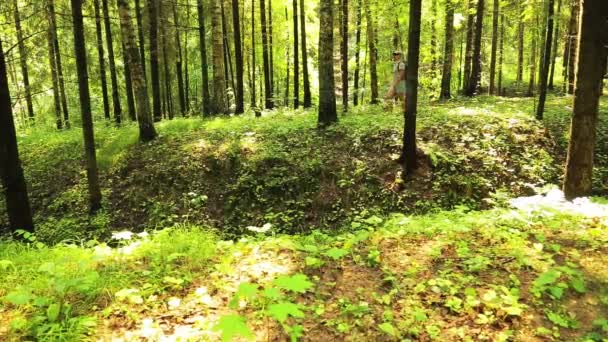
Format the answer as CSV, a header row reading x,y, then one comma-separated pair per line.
x,y
19,297
272,293
281,311
52,312
547,278
578,284
313,262
336,253
297,283
388,329
232,326
245,291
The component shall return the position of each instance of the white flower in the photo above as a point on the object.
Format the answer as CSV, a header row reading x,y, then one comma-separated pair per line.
x,y
263,229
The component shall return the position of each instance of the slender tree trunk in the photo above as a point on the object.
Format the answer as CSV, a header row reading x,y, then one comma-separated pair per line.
x,y
501,53
344,54
267,82
228,70
64,100
238,55
219,78
23,62
296,58
179,65
288,63
254,102
206,110
592,41
433,38
555,43
111,62
305,74
186,66
271,48
128,84
327,89
11,173
85,106
533,59
474,80
102,62
573,40
357,54
469,48
144,116
520,45
494,47
413,52
546,62
55,80
140,34
373,53
446,78
167,75
154,67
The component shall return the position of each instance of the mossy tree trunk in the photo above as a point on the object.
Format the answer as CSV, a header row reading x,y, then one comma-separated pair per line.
x,y
327,89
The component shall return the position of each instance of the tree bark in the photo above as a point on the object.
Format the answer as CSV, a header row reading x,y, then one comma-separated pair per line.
x,y
154,66
492,89
305,74
254,102
533,59
288,63
327,89
238,55
344,54
53,27
11,173
357,55
573,45
446,77
113,76
474,80
501,53
179,64
140,35
546,63
206,110
219,78
296,58
271,48
554,45
128,84
23,62
593,37
373,52
469,47
413,53
228,69
520,45
102,61
267,82
85,107
144,117
433,38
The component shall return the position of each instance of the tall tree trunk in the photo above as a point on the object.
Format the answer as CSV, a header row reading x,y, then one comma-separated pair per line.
x,y
546,63
227,54
271,48
433,38
593,37
179,65
80,54
501,53
475,78
469,47
128,84
288,63
520,44
167,75
53,27
55,80
254,102
533,59
494,47
102,61
327,90
206,110
144,117
344,54
373,52
23,62
11,173
446,78
219,78
305,74
111,63
357,54
267,82
555,43
238,55
296,58
413,53
140,35
154,67
187,68
573,43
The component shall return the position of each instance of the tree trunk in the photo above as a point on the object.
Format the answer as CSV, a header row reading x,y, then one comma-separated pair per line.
x,y
287,62
520,45
373,53
206,104
573,43
140,34
533,58
555,43
357,54
80,54
179,65
187,68
593,38
327,89
546,63
144,117
219,78
494,47
154,67
433,38
413,52
469,47
446,78
102,62
474,80
501,53
128,84
296,58
271,48
113,76
344,54
254,102
53,28
228,70
11,173
54,79
167,75
267,84
305,75
238,55
23,62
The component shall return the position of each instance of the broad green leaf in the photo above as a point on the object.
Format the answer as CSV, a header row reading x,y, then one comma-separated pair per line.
x,y
232,326
245,291
52,312
336,253
388,329
281,311
272,293
19,297
549,277
578,284
297,283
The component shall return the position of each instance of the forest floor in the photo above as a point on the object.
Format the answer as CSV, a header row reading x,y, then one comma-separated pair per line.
x,y
286,231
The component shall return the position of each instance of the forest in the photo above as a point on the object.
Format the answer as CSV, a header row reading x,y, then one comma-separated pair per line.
x,y
304,170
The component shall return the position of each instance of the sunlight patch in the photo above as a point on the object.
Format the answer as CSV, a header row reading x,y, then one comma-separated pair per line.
x,y
555,200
